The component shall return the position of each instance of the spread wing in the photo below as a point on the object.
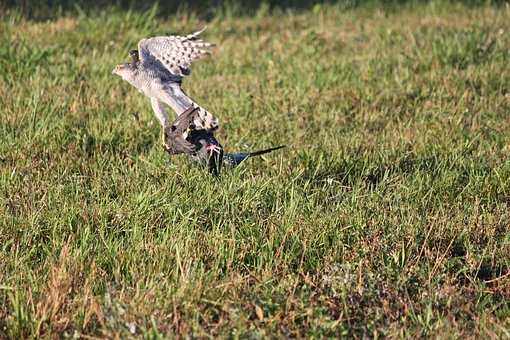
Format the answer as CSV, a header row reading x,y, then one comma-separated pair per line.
x,y
175,53
183,122
175,141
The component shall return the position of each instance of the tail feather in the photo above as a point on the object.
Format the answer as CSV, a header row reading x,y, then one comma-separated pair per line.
x,y
236,158
261,152
174,96
205,119
194,34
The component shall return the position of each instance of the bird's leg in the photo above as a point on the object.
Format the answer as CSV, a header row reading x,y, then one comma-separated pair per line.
x,y
160,112
215,159
212,148
164,137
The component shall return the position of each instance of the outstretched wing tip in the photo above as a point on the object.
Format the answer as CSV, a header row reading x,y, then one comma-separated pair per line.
x,y
194,35
201,30
176,53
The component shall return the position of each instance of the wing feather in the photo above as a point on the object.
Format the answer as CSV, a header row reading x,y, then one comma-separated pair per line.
x,y
174,96
175,135
175,53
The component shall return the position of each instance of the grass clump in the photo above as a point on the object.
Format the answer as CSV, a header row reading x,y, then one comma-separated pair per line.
x,y
388,215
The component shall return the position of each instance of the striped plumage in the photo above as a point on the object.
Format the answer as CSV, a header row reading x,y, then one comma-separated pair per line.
x,y
176,53
158,73
157,69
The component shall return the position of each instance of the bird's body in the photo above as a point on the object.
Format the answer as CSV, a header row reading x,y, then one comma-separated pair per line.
x,y
208,150
157,69
200,145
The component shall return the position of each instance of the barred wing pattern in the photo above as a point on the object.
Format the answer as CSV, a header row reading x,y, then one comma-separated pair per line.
x,y
175,53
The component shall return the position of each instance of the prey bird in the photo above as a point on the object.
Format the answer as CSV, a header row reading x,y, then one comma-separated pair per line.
x,y
198,144
236,158
199,140
156,69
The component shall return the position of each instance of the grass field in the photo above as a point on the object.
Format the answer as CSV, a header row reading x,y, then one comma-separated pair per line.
x,y
387,215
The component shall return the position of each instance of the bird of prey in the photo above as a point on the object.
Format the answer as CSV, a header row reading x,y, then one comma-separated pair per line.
x,y
156,69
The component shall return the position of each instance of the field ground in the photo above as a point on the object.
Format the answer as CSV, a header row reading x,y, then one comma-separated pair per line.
x,y
387,215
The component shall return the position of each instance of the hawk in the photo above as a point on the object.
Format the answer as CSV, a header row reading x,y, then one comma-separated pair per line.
x,y
157,69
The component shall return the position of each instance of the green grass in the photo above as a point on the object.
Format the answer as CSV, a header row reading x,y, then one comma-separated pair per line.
x,y
387,215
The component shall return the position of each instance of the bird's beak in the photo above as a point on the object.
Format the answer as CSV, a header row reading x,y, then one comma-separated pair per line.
x,y
116,69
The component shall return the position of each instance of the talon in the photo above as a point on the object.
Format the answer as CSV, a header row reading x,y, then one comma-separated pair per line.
x,y
213,148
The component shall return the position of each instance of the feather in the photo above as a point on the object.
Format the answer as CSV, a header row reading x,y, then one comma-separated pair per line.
x,y
175,53
175,135
173,95
160,111
237,158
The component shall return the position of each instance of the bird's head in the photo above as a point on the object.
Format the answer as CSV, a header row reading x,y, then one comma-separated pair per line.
x,y
125,70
